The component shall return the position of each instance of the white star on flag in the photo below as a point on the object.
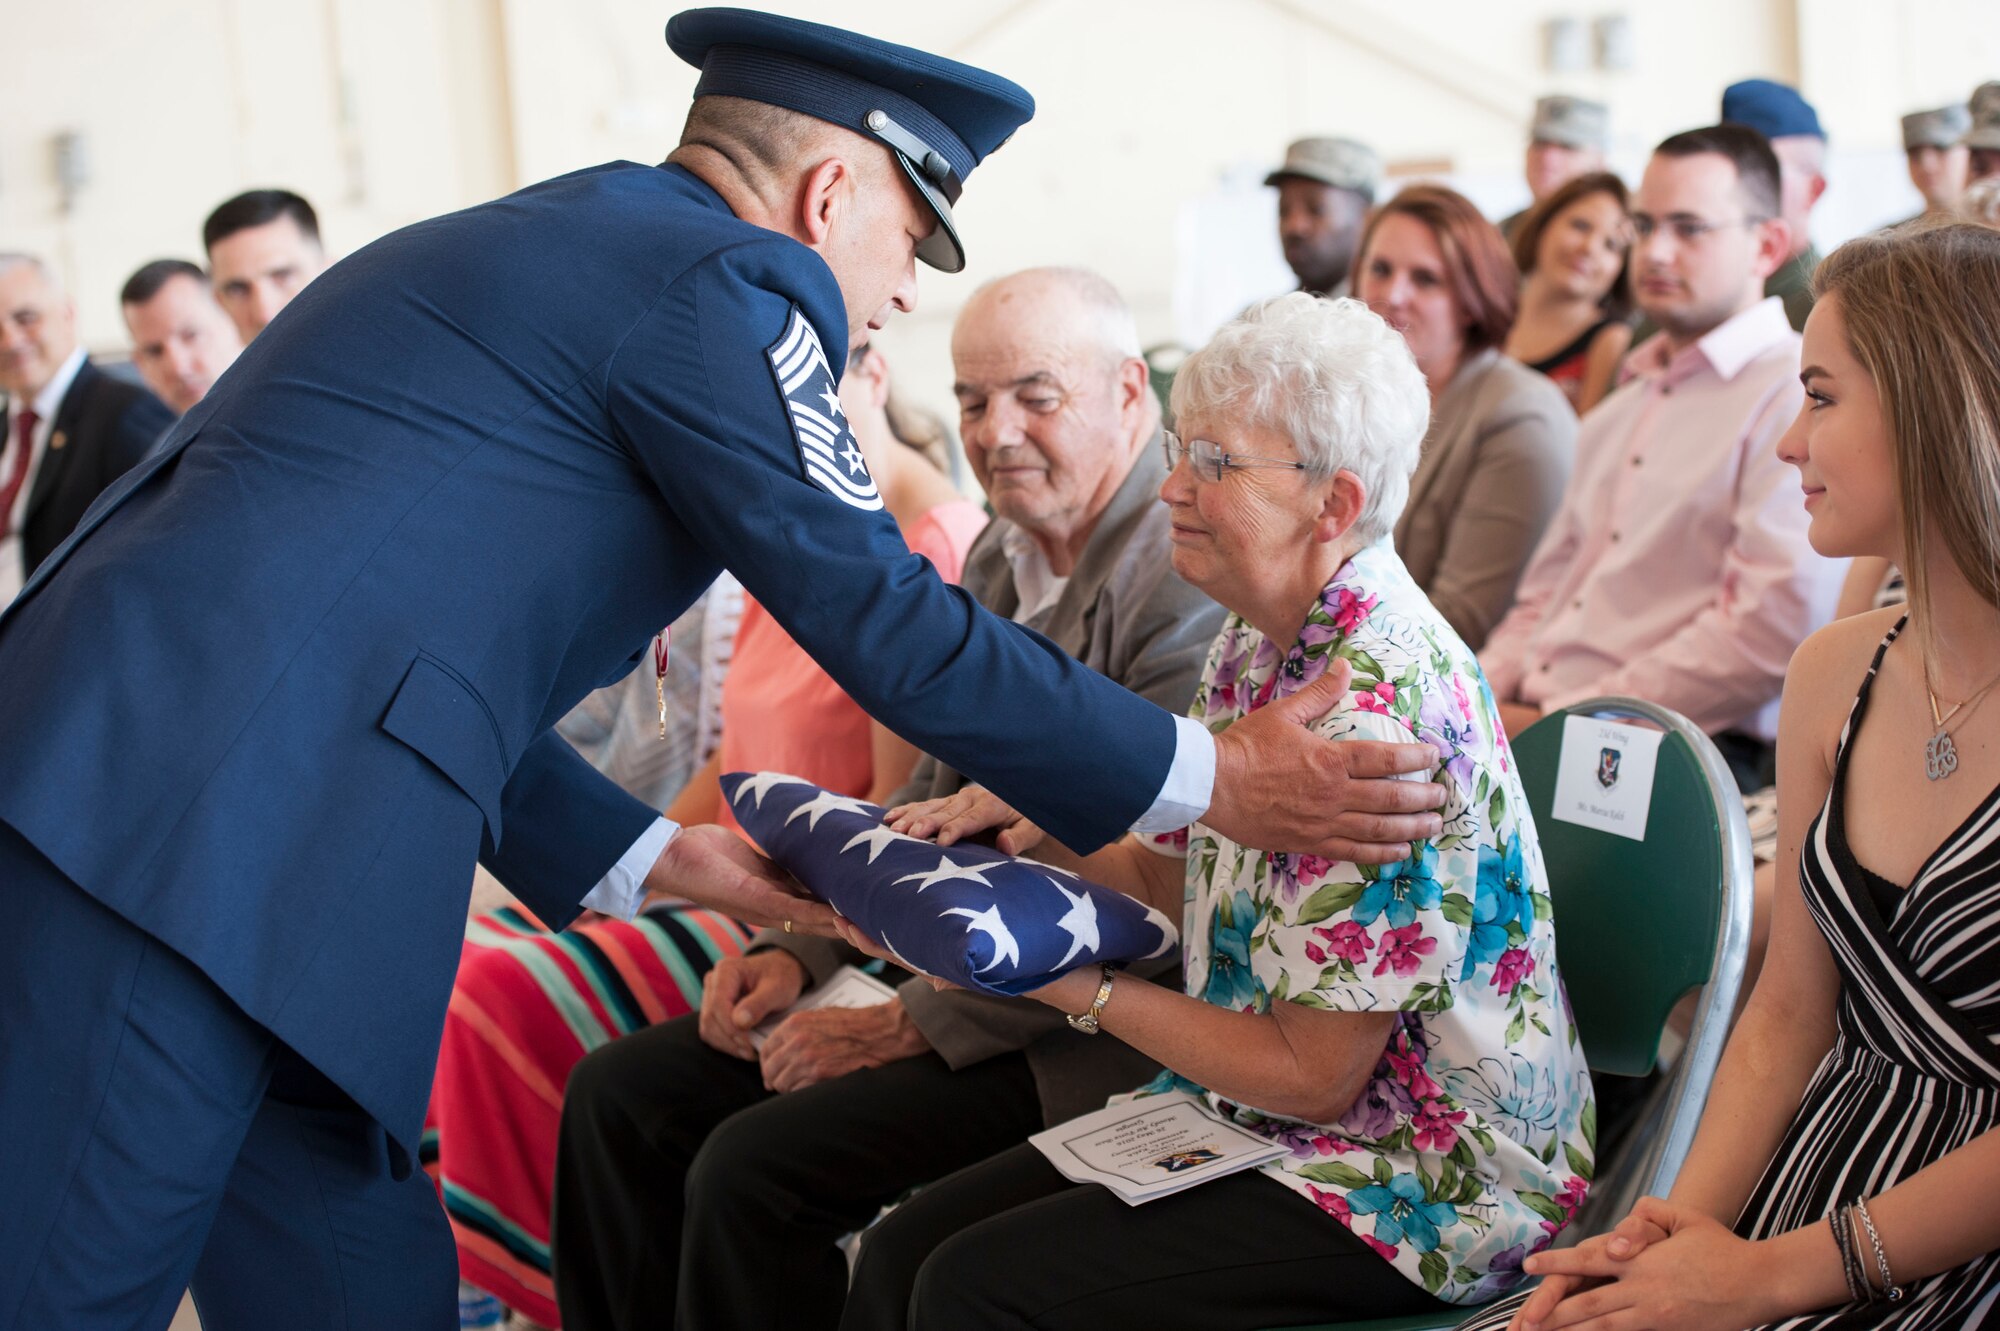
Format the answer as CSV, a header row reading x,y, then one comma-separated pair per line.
x,y
988,922
826,802
876,838
1080,923
945,873
763,781
995,924
914,970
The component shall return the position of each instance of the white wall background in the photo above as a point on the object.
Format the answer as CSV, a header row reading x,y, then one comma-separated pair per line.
x,y
1157,117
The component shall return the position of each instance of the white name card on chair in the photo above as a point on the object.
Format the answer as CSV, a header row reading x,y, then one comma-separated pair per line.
x,y
1605,778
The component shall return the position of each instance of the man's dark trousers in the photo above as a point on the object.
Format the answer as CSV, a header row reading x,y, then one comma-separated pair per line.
x,y
182,1146
683,1187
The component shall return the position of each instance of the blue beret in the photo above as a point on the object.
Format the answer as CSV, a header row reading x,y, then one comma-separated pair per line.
x,y
940,118
1775,110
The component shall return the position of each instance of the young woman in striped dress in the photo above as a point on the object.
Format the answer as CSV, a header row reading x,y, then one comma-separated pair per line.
x,y
1847,1170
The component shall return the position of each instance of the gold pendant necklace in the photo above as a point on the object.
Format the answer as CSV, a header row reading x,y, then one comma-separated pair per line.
x,y
1940,753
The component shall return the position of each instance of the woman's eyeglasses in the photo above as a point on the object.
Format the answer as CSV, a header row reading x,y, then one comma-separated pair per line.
x,y
1210,461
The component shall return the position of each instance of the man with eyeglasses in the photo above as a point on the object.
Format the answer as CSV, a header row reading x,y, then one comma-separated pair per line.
x,y
1677,568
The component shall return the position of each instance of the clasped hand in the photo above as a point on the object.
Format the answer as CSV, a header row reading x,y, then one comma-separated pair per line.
x,y
1666,1267
740,993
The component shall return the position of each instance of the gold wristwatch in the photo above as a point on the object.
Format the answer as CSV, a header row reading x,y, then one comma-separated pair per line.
x,y
1088,1022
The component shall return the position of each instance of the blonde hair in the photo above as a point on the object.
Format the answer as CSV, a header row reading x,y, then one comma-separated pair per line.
x,y
921,430
1921,303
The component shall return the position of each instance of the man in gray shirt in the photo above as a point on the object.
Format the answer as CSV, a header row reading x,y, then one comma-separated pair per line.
x,y
686,1152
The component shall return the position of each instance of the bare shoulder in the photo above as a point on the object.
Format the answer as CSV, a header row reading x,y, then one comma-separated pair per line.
x,y
1827,669
1610,344
1600,363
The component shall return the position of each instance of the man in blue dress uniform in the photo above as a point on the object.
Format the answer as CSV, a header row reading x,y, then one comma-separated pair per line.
x,y
296,672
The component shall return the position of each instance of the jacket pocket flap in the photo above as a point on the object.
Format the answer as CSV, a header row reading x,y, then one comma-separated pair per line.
x,y
441,716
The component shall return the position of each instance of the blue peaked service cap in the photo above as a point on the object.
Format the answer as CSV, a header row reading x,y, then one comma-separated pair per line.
x,y
1775,110
939,117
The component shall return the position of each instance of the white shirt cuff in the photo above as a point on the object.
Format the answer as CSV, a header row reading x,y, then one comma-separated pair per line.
x,y
1190,784
622,891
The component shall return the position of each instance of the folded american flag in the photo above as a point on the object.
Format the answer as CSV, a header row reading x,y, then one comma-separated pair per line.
x,y
963,913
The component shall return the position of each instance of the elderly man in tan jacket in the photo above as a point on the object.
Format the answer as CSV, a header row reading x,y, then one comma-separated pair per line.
x,y
694,1166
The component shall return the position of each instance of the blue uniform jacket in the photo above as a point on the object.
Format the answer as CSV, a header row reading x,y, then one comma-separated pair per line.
x,y
293,673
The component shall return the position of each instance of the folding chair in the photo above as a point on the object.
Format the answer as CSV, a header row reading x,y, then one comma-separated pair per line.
x,y
1639,924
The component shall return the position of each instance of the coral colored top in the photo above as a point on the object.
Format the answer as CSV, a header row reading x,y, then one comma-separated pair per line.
x,y
782,713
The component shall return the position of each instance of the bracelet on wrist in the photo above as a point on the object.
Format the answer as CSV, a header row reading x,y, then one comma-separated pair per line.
x,y
1088,1022
1890,1289
1849,1267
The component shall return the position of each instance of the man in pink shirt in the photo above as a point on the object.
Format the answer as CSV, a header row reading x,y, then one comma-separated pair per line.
x,y
1677,568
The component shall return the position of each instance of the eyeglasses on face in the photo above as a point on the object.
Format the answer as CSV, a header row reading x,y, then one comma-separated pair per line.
x,y
1687,230
1210,460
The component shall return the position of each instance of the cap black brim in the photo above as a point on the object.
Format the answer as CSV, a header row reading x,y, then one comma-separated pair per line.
x,y
941,249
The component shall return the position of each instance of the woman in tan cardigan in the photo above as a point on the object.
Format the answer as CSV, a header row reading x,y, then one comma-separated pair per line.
x,y
1501,437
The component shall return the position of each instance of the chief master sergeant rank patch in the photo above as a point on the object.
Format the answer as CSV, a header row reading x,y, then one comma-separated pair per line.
x,y
832,459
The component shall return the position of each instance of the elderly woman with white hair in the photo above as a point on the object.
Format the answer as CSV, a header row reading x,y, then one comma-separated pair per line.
x,y
1400,1029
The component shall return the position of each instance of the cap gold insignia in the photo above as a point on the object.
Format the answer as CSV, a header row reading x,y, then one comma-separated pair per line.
x,y
58,439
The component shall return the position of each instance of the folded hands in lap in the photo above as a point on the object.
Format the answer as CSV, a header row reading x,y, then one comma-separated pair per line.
x,y
740,993
1665,1268
812,1047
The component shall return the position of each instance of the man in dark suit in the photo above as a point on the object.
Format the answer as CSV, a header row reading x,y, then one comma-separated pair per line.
x,y
71,428
296,671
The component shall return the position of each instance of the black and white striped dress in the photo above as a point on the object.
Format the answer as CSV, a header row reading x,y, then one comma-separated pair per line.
x,y
1914,1072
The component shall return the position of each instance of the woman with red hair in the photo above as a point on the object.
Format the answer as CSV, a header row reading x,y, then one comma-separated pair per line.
x,y
1501,436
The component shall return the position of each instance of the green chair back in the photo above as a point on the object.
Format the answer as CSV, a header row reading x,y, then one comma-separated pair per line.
x,y
1640,924
1636,921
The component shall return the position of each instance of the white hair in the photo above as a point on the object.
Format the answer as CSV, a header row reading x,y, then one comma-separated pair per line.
x,y
1332,377
10,260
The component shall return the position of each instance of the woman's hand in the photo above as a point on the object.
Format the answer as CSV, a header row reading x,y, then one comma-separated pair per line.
x,y
971,811
1697,1276
852,934
1634,1234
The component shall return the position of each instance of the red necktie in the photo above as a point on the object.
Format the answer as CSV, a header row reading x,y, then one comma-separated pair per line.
x,y
25,422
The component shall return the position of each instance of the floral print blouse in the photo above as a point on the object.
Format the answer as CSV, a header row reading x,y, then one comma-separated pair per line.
x,y
1472,1145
